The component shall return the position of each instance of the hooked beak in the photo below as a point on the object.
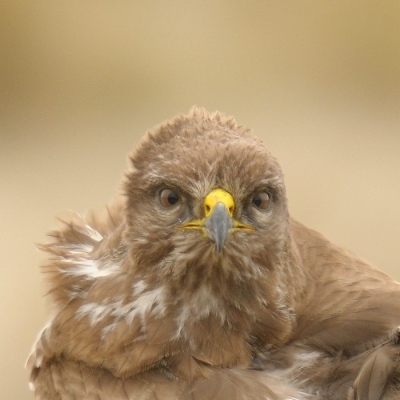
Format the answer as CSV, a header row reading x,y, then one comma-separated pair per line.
x,y
218,222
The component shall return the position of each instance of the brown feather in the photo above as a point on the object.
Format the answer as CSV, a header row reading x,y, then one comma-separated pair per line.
x,y
147,310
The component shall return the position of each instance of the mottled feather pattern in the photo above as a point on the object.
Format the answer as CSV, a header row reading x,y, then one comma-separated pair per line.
x,y
147,308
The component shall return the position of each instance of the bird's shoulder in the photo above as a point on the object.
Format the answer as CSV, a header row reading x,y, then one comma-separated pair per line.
x,y
326,260
346,301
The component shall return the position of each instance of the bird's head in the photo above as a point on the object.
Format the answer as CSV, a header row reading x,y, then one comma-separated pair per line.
x,y
202,188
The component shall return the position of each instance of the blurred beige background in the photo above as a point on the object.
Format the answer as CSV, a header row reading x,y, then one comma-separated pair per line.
x,y
81,81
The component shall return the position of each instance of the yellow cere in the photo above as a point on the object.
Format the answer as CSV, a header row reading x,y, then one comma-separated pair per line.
x,y
216,196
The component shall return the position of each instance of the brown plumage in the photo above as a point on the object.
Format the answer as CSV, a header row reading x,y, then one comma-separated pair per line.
x,y
197,284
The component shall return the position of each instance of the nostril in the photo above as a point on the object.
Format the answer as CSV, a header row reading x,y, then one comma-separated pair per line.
x,y
208,209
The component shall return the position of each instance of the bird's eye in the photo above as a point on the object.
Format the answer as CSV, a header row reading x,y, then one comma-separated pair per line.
x,y
168,197
261,200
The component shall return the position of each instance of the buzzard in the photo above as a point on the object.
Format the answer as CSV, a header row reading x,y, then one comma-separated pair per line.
x,y
197,284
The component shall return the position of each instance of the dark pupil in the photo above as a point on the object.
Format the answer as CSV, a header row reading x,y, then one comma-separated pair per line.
x,y
258,201
172,198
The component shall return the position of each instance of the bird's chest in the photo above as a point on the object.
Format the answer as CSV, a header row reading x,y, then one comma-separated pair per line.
x,y
226,339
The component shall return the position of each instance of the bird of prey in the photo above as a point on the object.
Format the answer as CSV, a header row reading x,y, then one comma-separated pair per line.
x,y
197,284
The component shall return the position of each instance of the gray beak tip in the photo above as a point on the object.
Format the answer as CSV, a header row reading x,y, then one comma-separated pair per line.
x,y
218,225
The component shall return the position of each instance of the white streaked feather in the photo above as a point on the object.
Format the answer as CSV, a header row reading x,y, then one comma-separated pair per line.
x,y
36,356
92,268
78,248
301,360
92,233
108,329
150,302
201,304
95,311
138,287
